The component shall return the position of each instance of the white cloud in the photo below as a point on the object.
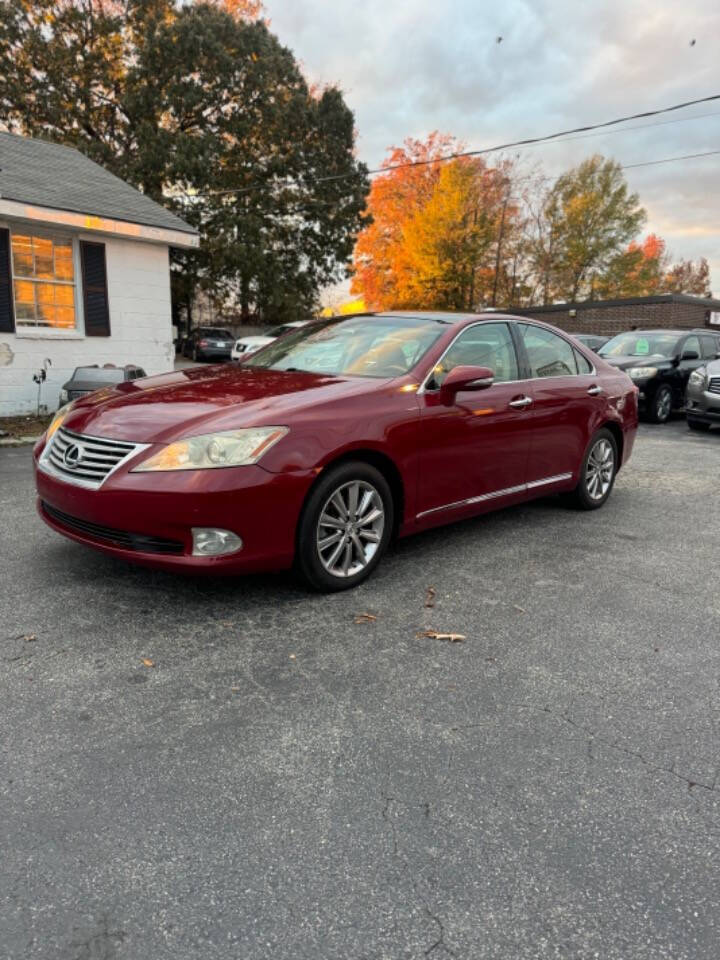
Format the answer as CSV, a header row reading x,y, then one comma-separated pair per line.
x,y
411,67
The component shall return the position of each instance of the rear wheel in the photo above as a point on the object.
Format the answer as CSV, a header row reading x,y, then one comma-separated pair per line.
x,y
597,474
698,425
661,404
345,527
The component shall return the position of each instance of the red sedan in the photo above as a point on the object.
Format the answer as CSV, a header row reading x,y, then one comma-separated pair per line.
x,y
324,444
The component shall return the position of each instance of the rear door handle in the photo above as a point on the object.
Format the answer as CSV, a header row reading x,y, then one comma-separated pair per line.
x,y
594,391
520,403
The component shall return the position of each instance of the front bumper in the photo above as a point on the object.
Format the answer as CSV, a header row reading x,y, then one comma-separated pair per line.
x,y
702,405
147,518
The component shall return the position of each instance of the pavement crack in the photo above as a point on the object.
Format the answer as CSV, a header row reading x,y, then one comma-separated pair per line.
x,y
595,737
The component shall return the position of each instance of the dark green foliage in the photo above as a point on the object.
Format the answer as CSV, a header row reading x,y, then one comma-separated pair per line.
x,y
185,103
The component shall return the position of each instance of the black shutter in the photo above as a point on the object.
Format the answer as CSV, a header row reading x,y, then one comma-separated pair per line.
x,y
7,314
95,296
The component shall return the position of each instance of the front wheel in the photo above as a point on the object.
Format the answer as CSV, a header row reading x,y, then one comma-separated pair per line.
x,y
598,471
345,527
661,404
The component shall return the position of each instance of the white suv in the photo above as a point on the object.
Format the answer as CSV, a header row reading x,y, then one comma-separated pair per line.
x,y
247,345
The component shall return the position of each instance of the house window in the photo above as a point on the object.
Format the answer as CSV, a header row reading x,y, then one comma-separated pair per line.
x,y
43,281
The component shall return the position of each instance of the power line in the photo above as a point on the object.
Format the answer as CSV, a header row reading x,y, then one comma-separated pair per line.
x,y
529,141
687,156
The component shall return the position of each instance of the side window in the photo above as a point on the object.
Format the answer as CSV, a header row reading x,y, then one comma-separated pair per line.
x,y
692,344
583,364
485,345
711,346
548,354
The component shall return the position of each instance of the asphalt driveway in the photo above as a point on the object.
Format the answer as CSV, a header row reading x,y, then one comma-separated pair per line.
x,y
281,782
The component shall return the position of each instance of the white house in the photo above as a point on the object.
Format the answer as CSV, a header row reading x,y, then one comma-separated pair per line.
x,y
84,271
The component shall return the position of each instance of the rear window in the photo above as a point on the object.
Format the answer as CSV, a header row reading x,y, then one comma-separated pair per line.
x,y
215,332
99,374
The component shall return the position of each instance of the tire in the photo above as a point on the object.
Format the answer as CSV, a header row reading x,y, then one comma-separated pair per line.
x,y
598,472
699,425
357,547
661,405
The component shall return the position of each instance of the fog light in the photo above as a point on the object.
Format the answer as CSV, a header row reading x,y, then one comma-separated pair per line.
x,y
210,542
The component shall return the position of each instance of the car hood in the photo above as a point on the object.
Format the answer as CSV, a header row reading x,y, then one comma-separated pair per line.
x,y
203,399
256,341
624,363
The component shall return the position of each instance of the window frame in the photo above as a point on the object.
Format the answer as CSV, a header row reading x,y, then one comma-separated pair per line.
x,y
709,338
522,360
683,346
23,329
556,333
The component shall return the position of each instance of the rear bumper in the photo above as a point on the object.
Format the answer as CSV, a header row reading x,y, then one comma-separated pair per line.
x,y
214,353
148,519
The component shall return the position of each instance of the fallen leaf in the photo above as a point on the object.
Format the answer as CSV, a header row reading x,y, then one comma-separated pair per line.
x,y
519,609
30,638
146,662
430,597
435,635
365,618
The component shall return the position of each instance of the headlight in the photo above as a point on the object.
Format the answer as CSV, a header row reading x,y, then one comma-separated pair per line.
x,y
641,373
232,448
64,396
697,378
58,419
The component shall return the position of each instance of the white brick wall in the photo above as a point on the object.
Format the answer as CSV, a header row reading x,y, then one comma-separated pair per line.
x,y
140,323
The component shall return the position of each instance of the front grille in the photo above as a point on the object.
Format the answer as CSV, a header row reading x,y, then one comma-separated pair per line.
x,y
714,385
76,394
109,535
85,460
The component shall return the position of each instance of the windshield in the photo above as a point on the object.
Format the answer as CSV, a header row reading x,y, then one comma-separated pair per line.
x,y
279,331
640,345
358,346
99,374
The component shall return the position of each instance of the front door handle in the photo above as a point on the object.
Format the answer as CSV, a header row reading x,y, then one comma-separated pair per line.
x,y
594,391
520,403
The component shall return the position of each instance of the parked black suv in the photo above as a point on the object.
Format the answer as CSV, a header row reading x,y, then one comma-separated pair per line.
x,y
659,362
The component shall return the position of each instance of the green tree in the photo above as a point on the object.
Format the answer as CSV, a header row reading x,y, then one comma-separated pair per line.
x,y
585,221
209,114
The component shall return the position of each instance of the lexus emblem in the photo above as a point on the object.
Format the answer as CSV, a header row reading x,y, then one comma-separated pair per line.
x,y
73,455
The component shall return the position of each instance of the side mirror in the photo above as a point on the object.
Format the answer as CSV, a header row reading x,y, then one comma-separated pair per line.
x,y
465,378
690,355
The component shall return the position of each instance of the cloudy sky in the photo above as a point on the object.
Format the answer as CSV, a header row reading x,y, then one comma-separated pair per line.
x,y
408,67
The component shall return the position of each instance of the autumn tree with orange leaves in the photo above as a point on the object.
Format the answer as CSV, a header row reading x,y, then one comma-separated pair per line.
x,y
462,233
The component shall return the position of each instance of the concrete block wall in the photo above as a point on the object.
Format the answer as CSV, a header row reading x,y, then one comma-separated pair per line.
x,y
140,323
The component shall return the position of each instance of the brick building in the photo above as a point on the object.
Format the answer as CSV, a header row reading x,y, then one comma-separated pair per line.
x,y
674,311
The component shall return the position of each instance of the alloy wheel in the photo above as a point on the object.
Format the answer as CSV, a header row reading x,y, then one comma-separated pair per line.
x,y
663,404
350,528
600,469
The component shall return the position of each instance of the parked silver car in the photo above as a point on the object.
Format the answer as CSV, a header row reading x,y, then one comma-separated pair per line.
x,y
702,399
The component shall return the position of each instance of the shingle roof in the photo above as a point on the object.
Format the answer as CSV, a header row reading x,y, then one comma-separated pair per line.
x,y
51,175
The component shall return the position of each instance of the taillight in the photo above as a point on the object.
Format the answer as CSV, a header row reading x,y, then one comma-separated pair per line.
x,y
202,343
